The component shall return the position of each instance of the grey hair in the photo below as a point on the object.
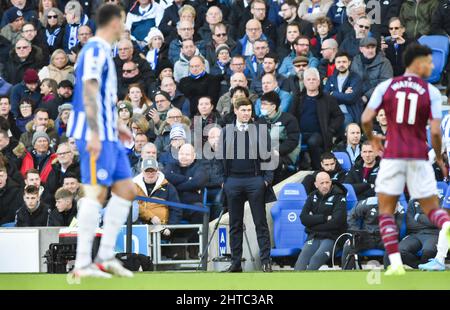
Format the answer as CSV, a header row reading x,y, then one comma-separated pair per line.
x,y
332,42
74,7
311,71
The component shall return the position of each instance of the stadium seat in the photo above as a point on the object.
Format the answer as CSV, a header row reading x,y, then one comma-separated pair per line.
x,y
12,224
352,200
446,201
372,253
440,47
442,189
288,231
344,160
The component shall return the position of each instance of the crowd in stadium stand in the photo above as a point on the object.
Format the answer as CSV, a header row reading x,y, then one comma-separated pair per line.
x,y
308,67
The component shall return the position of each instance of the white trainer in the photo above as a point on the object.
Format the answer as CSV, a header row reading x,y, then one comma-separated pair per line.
x,y
90,271
114,266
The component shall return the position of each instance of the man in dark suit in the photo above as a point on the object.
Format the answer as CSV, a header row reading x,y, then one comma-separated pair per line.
x,y
248,174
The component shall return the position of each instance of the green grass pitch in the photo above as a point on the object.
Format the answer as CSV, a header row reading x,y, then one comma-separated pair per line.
x,y
345,280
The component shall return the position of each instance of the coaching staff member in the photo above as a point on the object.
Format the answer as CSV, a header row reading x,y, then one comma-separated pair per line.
x,y
248,175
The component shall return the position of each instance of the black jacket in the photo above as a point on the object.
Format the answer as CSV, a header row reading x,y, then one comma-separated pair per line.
x,y
193,89
239,15
417,222
440,21
39,218
56,178
387,10
395,56
145,71
364,188
227,149
329,114
56,218
364,217
317,208
11,199
214,167
189,181
14,68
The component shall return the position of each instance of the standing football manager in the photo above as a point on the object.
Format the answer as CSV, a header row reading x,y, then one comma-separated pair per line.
x,y
248,175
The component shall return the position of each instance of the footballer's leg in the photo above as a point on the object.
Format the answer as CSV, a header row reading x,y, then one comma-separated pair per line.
x,y
438,216
88,217
389,233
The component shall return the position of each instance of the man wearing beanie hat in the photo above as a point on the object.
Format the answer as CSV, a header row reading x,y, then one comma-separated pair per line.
x,y
294,83
222,65
177,139
40,157
63,118
14,20
40,122
28,88
285,125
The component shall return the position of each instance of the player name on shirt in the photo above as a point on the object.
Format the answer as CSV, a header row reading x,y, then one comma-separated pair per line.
x,y
408,84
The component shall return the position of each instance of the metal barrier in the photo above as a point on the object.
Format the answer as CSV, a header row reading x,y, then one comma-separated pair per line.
x,y
203,233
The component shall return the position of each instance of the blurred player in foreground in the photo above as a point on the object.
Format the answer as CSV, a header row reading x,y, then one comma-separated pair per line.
x,y
409,103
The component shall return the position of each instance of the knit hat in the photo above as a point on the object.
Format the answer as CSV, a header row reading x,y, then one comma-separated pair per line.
x,y
39,134
30,76
124,104
12,14
154,32
162,93
177,132
64,107
222,47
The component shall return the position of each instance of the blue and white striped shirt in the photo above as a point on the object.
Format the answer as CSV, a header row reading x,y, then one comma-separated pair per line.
x,y
95,63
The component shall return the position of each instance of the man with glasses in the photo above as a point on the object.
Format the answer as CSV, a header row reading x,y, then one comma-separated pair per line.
x,y
84,34
259,10
30,33
328,51
14,22
361,29
65,164
372,66
294,83
237,64
127,52
131,74
395,44
219,36
253,32
301,48
185,30
23,57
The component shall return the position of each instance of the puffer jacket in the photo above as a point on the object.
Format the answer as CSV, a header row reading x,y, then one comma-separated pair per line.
x,y
163,190
27,137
